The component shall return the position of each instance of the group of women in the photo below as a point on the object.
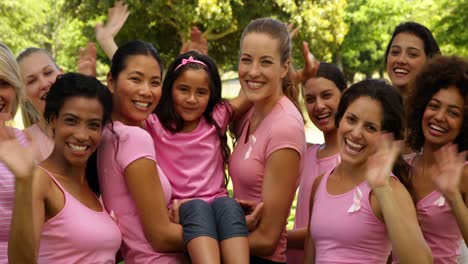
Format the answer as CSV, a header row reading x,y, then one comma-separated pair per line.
x,y
137,170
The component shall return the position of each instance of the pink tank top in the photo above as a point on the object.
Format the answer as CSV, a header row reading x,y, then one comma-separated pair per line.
x,y
78,234
345,229
7,196
439,227
313,168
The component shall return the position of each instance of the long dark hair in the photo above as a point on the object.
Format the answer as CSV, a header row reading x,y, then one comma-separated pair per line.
x,y
393,116
71,85
431,47
166,111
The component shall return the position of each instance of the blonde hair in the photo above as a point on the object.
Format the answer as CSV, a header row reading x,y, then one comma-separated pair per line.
x,y
29,114
9,72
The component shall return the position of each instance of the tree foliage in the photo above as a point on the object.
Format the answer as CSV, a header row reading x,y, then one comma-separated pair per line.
x,y
371,24
353,34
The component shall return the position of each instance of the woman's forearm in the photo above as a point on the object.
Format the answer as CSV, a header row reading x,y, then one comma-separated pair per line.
x,y
408,243
22,244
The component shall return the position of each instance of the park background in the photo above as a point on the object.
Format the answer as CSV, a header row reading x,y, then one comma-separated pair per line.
x,y
352,34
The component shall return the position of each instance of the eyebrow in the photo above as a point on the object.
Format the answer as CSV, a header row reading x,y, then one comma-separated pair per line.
x,y
449,105
43,68
261,57
142,74
77,117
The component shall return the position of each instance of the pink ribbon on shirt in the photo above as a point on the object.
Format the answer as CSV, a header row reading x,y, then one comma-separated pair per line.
x,y
356,206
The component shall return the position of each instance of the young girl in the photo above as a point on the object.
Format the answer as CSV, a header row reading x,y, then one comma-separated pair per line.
x,y
10,96
189,133
132,185
322,95
57,217
359,211
437,124
266,162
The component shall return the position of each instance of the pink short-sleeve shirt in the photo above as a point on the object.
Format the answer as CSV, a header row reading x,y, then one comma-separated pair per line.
x,y
131,143
282,128
192,161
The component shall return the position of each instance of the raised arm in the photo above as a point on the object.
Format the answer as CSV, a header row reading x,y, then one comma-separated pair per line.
x,y
105,34
396,206
281,173
310,69
197,42
87,60
309,245
146,190
449,175
28,212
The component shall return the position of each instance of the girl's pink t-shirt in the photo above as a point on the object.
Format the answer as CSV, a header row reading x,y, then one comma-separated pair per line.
x,y
313,168
192,161
7,197
114,155
282,128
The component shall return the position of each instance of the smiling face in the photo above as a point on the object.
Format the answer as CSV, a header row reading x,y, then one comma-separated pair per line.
x,y
77,129
190,94
7,98
38,73
260,67
405,59
322,98
443,118
137,90
359,130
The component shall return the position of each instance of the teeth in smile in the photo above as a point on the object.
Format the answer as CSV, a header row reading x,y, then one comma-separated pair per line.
x,y
354,144
438,128
323,116
141,104
398,70
254,84
77,148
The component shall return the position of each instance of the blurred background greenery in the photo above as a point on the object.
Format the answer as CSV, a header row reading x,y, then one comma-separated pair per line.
x,y
351,33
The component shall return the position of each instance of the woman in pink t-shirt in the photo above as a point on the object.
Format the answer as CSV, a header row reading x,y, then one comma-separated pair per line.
x,y
322,94
438,124
58,217
359,210
132,185
266,161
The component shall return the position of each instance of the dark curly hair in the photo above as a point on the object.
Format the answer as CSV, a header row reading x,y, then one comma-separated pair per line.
x,y
393,116
71,85
438,73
